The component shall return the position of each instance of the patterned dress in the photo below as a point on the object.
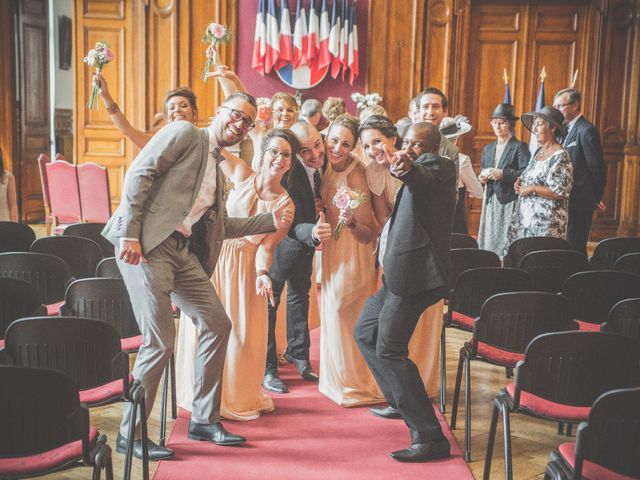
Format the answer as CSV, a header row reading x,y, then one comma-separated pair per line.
x,y
537,216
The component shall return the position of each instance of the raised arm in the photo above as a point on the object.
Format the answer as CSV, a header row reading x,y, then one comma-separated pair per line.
x,y
229,80
234,168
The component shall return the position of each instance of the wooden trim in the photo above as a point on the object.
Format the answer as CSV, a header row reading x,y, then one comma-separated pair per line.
x,y
8,124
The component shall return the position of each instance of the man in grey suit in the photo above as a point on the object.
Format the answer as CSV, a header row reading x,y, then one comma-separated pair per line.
x,y
583,145
414,253
168,232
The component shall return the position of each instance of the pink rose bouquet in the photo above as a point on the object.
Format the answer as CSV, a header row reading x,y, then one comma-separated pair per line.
x,y
98,57
215,34
264,112
346,200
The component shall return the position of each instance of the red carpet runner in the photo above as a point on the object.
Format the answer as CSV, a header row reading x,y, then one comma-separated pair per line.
x,y
307,437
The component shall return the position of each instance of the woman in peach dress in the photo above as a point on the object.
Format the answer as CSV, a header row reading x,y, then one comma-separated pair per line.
x,y
242,283
348,274
378,136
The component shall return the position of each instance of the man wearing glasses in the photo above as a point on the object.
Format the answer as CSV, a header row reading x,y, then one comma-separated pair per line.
x,y
168,231
589,170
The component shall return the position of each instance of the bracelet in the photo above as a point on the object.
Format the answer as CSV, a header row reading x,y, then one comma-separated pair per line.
x,y
261,272
113,109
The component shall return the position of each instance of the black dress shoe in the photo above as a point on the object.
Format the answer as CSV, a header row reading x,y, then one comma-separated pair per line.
x,y
214,432
156,452
272,382
303,366
423,452
386,412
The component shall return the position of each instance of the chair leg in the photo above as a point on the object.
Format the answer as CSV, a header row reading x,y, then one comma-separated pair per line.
x,y
506,426
491,440
560,428
108,469
144,436
174,407
456,390
163,405
130,439
443,370
509,372
569,429
467,409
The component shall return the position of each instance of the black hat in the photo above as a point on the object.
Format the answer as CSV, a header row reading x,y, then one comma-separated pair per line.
x,y
504,110
550,114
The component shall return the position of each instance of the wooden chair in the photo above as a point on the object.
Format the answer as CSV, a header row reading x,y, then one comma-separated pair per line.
x,y
62,179
43,160
95,198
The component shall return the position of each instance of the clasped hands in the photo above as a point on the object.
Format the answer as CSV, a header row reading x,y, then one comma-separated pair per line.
x,y
523,191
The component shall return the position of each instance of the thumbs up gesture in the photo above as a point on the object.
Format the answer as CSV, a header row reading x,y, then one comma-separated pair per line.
x,y
322,230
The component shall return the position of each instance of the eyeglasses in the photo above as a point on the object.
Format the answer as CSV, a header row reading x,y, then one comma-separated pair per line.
x,y
274,152
237,115
558,106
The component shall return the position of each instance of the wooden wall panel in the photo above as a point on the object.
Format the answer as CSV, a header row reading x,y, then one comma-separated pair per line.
x,y
8,126
439,38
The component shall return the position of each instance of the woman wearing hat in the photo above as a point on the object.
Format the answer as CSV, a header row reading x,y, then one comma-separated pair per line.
x,y
545,185
501,164
452,128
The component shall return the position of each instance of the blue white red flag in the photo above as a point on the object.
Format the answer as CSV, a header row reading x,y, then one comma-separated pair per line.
x,y
354,67
286,45
533,141
300,37
334,39
259,40
273,37
313,45
324,56
344,38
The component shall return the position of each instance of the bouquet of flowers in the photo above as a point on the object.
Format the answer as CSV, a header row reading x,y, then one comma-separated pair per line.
x,y
214,35
264,112
97,57
346,200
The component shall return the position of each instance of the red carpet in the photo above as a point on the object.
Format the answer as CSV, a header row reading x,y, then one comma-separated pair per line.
x,y
307,437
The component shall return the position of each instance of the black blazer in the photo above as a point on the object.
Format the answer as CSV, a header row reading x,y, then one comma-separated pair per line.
x,y
417,257
298,244
585,150
513,161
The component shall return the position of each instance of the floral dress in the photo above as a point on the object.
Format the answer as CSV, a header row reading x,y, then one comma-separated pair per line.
x,y
537,216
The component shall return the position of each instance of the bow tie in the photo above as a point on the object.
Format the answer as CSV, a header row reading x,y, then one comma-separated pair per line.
x,y
217,155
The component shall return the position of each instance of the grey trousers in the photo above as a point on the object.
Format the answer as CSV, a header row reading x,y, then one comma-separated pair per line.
x,y
174,274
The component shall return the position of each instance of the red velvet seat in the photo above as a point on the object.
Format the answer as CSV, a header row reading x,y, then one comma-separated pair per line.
x,y
64,193
590,470
460,320
541,407
131,344
589,327
95,198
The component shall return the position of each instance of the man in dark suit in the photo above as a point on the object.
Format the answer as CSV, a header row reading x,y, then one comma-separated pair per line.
x,y
293,258
416,263
589,170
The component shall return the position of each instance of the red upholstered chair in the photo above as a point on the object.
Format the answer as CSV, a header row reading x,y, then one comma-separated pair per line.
x,y
607,445
81,254
506,325
92,231
562,375
15,237
461,240
18,299
64,193
608,251
89,352
45,428
522,246
60,156
592,294
48,274
629,263
470,290
549,269
43,160
95,199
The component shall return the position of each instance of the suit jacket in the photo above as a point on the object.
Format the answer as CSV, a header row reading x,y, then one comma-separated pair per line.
x,y
160,188
513,161
298,245
585,150
417,257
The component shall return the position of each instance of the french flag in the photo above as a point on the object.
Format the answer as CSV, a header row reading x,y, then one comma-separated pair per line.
x,y
313,45
286,47
273,37
344,38
300,38
334,39
354,68
324,56
259,40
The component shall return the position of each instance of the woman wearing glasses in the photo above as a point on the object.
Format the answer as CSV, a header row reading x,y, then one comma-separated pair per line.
x,y
242,283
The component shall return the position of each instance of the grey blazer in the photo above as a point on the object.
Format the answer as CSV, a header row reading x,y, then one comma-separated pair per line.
x,y
160,188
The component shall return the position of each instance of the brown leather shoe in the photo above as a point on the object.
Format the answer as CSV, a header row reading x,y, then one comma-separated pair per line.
x,y
423,452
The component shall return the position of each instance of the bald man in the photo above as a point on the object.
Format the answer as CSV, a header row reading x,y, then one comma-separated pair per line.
x,y
414,253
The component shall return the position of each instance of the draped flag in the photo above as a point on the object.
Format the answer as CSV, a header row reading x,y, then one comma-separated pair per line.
x,y
354,68
259,40
273,37
300,37
286,46
313,45
533,141
334,39
344,38
507,92
324,56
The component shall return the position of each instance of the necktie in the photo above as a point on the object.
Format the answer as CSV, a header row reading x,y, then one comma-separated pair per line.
x,y
217,155
316,183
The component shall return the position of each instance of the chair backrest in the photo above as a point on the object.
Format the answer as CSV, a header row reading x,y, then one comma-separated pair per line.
x,y
465,258
594,293
611,436
473,287
60,156
49,274
18,299
86,350
64,193
40,411
108,268
81,254
629,262
95,198
43,159
609,250
461,240
574,368
624,318
520,247
104,299
510,321
15,237
549,269
92,231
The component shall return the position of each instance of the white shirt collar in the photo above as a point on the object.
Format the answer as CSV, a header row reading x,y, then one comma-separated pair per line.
x,y
573,122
